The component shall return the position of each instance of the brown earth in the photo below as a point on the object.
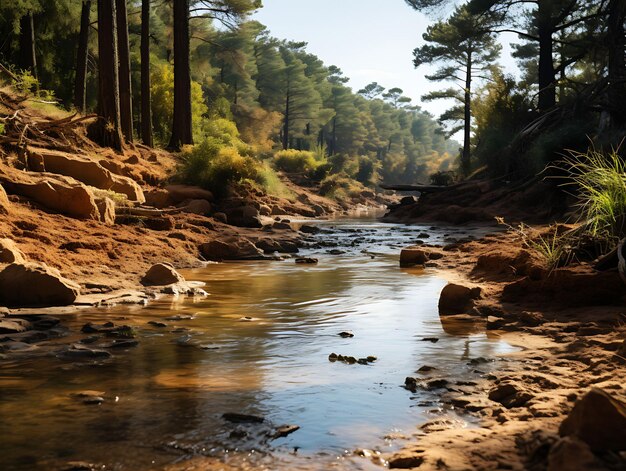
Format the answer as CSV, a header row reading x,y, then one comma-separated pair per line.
x,y
569,326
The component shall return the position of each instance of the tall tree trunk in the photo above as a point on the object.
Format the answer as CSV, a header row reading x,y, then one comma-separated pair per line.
x,y
286,124
80,85
181,127
333,148
28,58
146,101
106,130
467,118
126,94
547,85
617,64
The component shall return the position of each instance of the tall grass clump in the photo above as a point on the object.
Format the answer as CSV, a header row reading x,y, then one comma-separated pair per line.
x,y
270,182
598,181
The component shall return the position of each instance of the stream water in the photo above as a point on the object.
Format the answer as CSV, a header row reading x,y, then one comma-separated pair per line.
x,y
259,345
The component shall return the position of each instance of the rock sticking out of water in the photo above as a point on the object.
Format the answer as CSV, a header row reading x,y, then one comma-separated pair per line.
x,y
430,339
306,260
333,357
346,334
285,430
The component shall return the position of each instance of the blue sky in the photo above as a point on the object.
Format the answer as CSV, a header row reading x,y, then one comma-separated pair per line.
x,y
370,40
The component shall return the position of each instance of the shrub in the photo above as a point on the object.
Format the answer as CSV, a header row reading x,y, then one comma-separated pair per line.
x,y
213,166
443,178
295,161
340,186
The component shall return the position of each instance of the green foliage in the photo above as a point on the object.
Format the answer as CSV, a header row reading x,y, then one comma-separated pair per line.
x,y
443,178
599,182
271,183
296,161
340,187
163,104
214,166
25,83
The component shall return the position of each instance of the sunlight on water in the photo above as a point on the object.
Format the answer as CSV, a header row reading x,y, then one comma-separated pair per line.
x,y
259,345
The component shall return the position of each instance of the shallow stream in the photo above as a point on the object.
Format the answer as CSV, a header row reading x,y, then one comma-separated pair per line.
x,y
258,345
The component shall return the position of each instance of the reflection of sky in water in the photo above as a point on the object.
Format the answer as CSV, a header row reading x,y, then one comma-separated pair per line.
x,y
275,365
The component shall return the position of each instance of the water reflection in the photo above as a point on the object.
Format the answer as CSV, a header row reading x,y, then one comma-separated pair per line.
x,y
257,345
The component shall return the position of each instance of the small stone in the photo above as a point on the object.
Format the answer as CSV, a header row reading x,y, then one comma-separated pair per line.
x,y
157,324
162,274
346,335
333,357
306,260
426,368
430,339
285,430
372,359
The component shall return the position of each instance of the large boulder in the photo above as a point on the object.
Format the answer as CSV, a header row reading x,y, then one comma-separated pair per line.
x,y
180,193
244,216
240,249
5,204
599,420
10,253
457,299
201,207
54,192
162,274
35,285
413,256
84,170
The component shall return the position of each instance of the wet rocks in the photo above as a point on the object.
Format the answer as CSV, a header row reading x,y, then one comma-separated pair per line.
x,y
413,256
35,285
350,360
10,253
12,326
162,274
307,229
109,329
346,335
458,299
80,352
285,430
307,260
599,420
240,249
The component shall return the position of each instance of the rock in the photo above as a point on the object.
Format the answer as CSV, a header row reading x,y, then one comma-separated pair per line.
x,y
5,204
307,229
430,339
35,285
159,223
221,217
495,323
306,260
85,170
106,210
157,324
346,335
281,226
11,327
54,192
599,420
243,418
244,216
413,256
285,430
121,343
9,253
158,198
265,210
280,246
405,460
80,352
532,319
426,369
80,466
239,249
457,299
509,395
408,200
572,454
201,207
180,193
162,274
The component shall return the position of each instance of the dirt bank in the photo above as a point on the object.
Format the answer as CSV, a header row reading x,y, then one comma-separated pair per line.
x,y
569,327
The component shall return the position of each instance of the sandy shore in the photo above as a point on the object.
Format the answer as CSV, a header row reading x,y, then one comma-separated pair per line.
x,y
570,341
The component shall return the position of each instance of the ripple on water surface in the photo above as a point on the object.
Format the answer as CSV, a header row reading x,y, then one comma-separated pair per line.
x,y
258,345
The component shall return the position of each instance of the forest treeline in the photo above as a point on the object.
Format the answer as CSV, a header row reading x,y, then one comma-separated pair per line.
x,y
571,87
182,72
